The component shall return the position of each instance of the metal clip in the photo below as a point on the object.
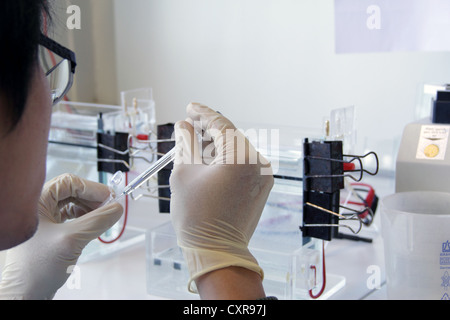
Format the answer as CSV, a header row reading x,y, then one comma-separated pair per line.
x,y
361,169
342,217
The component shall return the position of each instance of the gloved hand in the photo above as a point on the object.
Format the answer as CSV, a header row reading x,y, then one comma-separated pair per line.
x,y
69,218
216,206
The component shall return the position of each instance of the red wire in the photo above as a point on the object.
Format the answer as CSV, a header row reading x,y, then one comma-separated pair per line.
x,y
370,195
324,283
356,203
124,219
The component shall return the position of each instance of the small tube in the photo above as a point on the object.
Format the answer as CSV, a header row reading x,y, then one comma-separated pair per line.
x,y
150,172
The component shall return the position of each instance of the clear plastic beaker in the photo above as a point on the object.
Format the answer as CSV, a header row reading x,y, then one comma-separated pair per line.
x,y
416,233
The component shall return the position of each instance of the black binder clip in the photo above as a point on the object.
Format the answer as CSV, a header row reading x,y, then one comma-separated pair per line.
x,y
165,144
322,180
324,169
113,152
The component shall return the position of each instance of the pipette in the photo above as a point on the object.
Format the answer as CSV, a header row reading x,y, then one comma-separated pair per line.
x,y
146,175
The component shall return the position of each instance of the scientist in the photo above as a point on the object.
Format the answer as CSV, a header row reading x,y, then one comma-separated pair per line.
x,y
215,208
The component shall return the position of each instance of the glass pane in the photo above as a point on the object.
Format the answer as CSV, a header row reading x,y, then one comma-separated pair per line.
x,y
57,70
59,79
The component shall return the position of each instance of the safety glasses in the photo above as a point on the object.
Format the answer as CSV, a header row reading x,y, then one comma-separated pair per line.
x,y
59,65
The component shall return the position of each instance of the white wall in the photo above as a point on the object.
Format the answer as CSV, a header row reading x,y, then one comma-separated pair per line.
x,y
265,61
94,45
270,61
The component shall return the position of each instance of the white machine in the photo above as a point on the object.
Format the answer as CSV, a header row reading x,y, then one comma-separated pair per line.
x,y
423,161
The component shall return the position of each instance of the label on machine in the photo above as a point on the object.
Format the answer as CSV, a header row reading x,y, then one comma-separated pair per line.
x,y
433,142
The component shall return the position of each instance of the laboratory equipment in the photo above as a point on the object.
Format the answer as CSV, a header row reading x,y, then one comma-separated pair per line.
x,y
166,143
291,268
148,174
423,160
416,234
93,141
73,138
415,220
325,167
289,248
289,242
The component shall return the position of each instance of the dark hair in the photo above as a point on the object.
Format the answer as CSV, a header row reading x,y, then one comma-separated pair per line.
x,y
21,23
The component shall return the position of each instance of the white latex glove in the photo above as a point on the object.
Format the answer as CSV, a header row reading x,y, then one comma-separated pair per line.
x,y
68,221
216,206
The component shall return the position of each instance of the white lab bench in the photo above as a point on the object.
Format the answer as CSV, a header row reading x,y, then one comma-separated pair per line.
x,y
122,274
